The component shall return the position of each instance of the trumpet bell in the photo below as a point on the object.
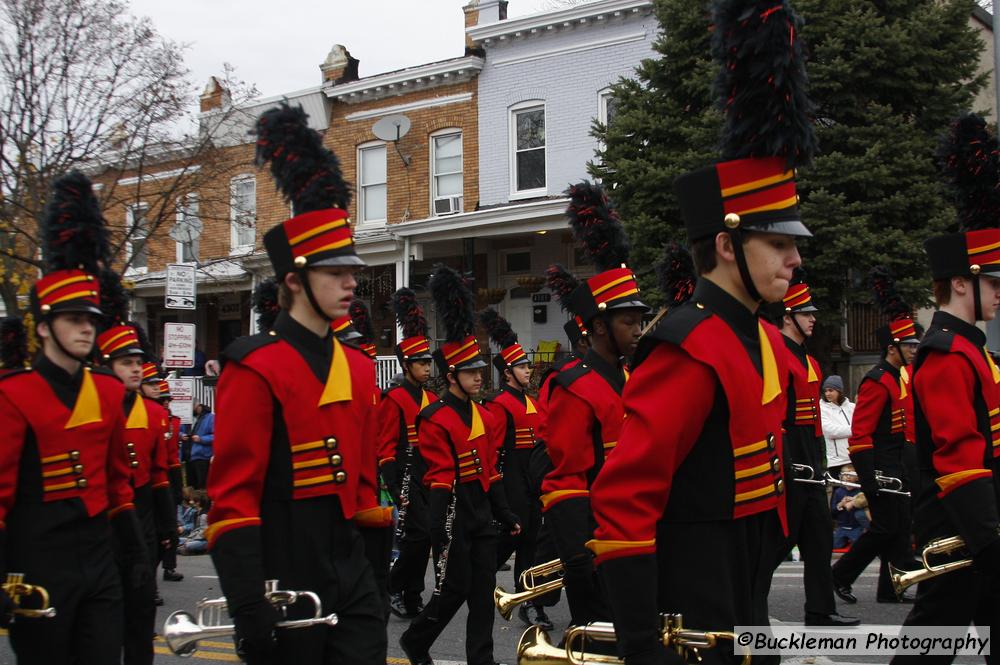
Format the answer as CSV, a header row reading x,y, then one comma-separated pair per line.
x,y
182,633
534,648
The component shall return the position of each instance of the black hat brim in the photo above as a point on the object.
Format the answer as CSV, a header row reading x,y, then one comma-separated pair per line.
x,y
785,228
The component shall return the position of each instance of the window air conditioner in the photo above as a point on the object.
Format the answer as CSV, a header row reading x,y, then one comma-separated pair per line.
x,y
447,205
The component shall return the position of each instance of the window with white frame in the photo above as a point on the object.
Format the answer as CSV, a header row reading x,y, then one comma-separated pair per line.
x,y
187,216
527,139
446,172
138,232
372,183
607,107
243,212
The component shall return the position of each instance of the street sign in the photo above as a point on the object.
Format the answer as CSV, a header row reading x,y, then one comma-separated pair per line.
x,y
178,345
180,286
182,399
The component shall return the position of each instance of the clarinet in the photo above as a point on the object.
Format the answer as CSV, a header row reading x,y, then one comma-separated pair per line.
x,y
404,494
449,525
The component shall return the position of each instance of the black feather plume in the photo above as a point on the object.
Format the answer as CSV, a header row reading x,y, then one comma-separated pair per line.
x,y
13,343
306,173
361,318
455,303
114,298
968,157
409,313
596,226
676,275
886,296
144,344
265,301
498,328
74,235
562,283
762,83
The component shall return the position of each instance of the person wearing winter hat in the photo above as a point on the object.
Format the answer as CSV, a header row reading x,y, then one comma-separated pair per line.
x,y
836,414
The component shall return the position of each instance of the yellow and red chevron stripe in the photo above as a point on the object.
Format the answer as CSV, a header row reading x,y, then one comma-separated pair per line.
x,y
341,324
513,354
117,339
983,247
902,329
456,353
412,346
150,373
612,285
64,285
319,231
756,185
797,296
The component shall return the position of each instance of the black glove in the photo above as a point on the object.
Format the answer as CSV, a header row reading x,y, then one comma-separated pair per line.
x,y
255,641
438,504
630,586
501,508
390,476
134,555
987,560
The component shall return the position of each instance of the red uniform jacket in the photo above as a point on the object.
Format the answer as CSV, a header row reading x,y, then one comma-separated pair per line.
x,y
585,399
146,427
957,408
803,441
173,438
518,414
702,435
879,425
285,420
63,440
546,390
397,421
458,443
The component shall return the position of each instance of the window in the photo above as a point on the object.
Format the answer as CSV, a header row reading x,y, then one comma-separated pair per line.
x,y
446,177
190,227
243,212
607,107
527,131
138,231
372,183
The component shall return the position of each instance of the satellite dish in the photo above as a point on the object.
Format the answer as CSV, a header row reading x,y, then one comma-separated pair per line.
x,y
391,127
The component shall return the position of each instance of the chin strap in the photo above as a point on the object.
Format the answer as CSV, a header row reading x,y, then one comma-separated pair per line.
x,y
977,298
741,264
611,338
802,332
899,350
307,287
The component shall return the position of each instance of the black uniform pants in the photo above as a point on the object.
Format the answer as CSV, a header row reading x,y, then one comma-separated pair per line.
x,y
378,550
545,551
79,573
959,598
198,473
407,576
139,606
721,582
526,507
470,578
887,536
810,526
309,546
572,526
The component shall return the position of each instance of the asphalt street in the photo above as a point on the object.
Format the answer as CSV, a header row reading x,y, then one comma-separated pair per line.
x,y
785,606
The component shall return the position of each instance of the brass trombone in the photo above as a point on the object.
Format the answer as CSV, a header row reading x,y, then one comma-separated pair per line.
x,y
182,631
535,648
902,579
506,602
18,590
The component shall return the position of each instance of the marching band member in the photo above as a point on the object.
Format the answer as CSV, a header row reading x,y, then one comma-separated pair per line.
x,y
295,427
956,397
160,391
690,507
64,475
587,395
458,442
519,416
877,445
810,526
400,461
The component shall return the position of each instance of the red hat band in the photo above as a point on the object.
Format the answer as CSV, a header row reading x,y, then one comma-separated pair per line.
x,y
983,248
612,285
341,325
798,296
415,346
164,388
319,232
65,289
513,355
370,349
149,373
119,341
456,353
902,329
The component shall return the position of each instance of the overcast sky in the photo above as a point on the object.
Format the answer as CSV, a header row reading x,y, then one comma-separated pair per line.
x,y
279,44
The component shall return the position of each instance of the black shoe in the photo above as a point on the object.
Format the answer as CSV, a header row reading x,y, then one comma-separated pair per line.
x,y
411,654
535,616
814,619
172,576
399,608
844,593
158,599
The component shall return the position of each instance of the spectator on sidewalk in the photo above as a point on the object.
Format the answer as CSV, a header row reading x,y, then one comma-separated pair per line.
x,y
198,442
848,508
836,413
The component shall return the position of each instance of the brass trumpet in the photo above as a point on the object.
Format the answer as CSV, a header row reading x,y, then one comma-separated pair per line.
x,y
902,579
182,631
506,602
17,590
535,648
887,484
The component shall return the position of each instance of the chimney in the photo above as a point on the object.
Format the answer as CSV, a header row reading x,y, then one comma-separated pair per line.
x,y
491,11
215,96
339,66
